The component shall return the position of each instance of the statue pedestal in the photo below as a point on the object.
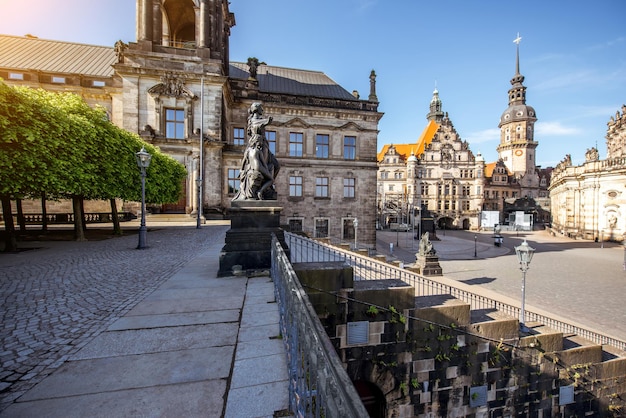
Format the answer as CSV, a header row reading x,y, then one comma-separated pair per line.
x,y
248,242
429,265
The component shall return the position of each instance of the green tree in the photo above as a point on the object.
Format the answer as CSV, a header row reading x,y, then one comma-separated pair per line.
x,y
57,146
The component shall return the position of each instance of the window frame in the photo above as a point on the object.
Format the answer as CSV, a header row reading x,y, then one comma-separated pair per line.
x,y
349,148
296,184
322,146
175,123
296,144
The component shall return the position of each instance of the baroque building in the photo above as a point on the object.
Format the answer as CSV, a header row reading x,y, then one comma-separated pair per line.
x,y
440,174
176,84
589,200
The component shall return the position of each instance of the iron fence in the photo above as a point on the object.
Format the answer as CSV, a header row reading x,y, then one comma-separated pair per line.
x,y
304,249
318,384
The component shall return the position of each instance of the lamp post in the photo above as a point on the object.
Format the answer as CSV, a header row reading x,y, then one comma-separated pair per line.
x,y
524,254
201,156
355,223
475,245
143,161
199,217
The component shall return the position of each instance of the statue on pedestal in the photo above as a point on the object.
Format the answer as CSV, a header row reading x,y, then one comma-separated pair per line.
x,y
259,167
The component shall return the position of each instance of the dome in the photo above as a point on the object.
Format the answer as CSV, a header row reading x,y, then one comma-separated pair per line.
x,y
479,157
518,112
412,158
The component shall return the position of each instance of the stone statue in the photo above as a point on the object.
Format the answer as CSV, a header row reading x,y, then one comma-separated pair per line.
x,y
259,167
426,247
253,65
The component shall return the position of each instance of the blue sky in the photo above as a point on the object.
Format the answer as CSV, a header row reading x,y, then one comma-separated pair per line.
x,y
572,53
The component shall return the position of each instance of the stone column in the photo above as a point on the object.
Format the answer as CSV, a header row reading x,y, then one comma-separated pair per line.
x,y
205,24
145,22
157,22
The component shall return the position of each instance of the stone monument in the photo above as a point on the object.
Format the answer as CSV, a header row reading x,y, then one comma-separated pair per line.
x,y
427,259
254,213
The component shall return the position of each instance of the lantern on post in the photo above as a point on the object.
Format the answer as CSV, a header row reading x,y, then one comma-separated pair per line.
x,y
143,161
524,254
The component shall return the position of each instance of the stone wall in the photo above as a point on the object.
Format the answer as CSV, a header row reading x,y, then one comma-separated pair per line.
x,y
433,356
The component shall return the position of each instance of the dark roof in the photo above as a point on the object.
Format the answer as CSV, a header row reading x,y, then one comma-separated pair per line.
x,y
29,53
282,80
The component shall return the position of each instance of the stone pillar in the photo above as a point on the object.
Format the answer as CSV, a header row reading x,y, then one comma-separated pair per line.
x,y
157,22
145,21
205,24
248,242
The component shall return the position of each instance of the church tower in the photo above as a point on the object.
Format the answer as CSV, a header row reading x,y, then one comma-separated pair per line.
x,y
517,127
435,114
202,26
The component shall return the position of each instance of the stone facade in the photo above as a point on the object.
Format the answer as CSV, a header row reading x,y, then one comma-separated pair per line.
x,y
440,173
589,200
433,356
176,83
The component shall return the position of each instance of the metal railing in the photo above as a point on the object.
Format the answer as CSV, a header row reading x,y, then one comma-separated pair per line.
x,y
318,384
304,249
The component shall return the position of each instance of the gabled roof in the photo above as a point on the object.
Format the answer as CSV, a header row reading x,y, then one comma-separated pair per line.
x,y
489,167
405,150
29,53
292,81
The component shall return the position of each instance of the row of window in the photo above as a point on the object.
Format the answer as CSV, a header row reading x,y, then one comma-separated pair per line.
x,y
296,144
425,173
296,185
321,227
55,79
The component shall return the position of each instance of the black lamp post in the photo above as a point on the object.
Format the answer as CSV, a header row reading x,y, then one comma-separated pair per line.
x,y
474,245
524,254
143,161
355,223
199,214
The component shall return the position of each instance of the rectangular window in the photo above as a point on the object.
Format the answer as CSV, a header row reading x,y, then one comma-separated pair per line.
x,y
98,83
60,80
321,146
349,187
321,228
175,123
233,180
321,187
271,139
16,76
239,136
349,147
348,228
295,225
295,144
295,186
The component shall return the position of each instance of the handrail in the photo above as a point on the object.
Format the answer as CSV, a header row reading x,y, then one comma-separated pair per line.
x,y
304,249
318,384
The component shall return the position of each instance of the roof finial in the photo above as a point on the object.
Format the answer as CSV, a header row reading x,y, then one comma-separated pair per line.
x,y
517,41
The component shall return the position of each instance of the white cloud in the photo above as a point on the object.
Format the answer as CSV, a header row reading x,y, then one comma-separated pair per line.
x,y
485,135
555,129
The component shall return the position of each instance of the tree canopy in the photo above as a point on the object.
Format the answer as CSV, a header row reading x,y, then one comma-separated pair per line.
x,y
56,145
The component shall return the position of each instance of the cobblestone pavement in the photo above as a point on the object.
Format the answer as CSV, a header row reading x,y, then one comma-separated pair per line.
x,y
583,282
57,298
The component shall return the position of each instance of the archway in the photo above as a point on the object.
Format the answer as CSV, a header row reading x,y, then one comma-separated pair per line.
x,y
372,397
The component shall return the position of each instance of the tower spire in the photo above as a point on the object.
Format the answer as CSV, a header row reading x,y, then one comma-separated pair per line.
x,y
517,41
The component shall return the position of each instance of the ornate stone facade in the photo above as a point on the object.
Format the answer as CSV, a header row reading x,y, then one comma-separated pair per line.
x,y
176,84
589,200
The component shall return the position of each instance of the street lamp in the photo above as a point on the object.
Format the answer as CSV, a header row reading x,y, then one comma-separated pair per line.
x,y
355,223
474,245
143,161
524,254
199,220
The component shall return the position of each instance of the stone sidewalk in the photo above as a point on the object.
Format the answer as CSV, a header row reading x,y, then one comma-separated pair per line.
x,y
182,343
